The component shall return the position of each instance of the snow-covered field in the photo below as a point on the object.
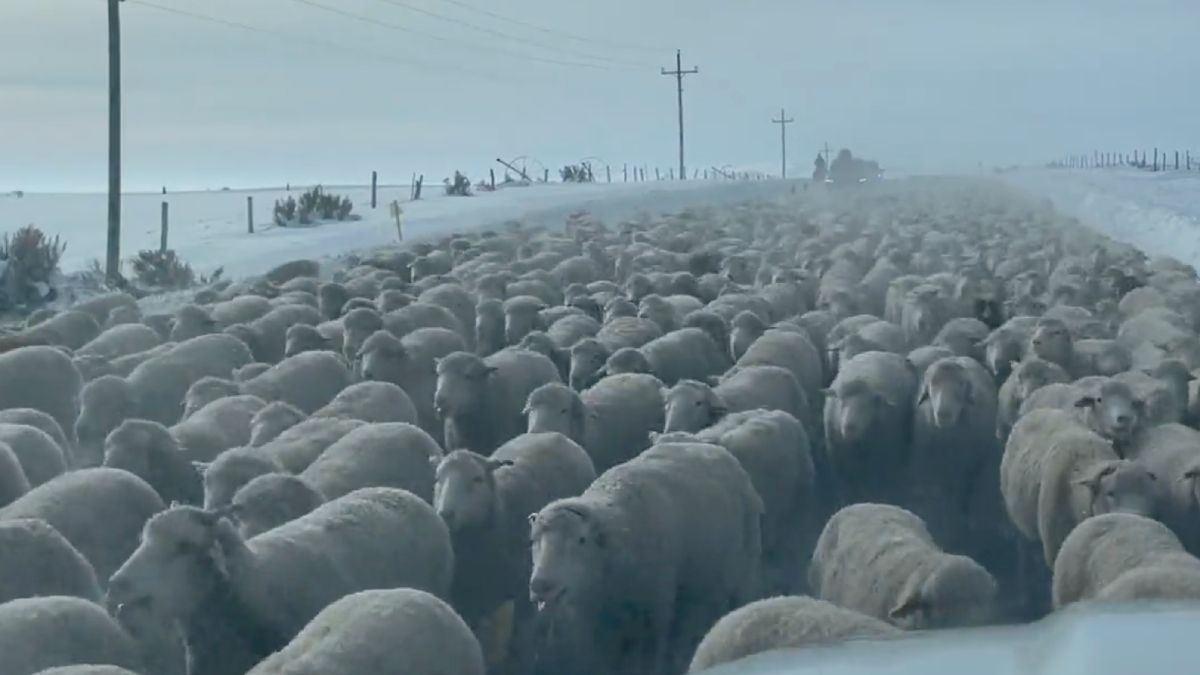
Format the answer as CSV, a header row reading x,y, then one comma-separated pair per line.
x,y
208,229
1156,212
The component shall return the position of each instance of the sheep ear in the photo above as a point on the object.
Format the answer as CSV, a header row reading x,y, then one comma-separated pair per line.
x,y
908,604
1190,474
924,395
201,467
493,464
1092,475
1139,405
1085,401
654,436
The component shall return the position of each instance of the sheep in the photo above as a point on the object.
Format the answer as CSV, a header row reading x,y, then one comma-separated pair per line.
x,y
612,419
303,337
45,632
489,326
308,381
1006,345
100,511
710,322
776,452
571,329
270,500
331,298
1026,378
411,363
357,326
924,313
955,453
272,420
684,354
521,316
147,450
1051,341
627,331
208,390
1104,548
657,309
881,560
293,269
1172,453
35,560
93,367
13,481
266,336
481,399
540,342
298,446
784,622
371,401
51,384
390,300
71,329
101,306
191,321
459,302
40,456
1112,410
43,421
239,600
218,426
390,454
640,539
790,350
691,405
963,336
155,389
121,340
398,630
1160,396
868,424
418,315
86,670
1102,357
226,474
923,357
486,503
1055,472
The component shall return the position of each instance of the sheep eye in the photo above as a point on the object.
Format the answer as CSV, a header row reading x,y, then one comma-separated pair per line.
x,y
583,540
699,403
478,480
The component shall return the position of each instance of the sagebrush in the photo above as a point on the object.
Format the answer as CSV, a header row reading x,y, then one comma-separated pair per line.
x,y
459,187
314,205
30,264
162,269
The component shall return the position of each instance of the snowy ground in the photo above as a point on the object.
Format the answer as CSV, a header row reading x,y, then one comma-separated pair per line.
x,y
1156,212
208,229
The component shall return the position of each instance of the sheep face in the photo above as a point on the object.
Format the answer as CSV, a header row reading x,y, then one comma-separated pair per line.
x,y
272,420
331,297
691,406
357,326
538,341
957,592
738,269
191,321
105,403
568,546
205,391
710,323
627,360
1113,411
464,489
658,310
383,358
618,307
588,357
304,338
270,500
947,391
553,407
520,320
461,379
180,561
146,449
638,286
1034,374
856,410
1051,341
1119,486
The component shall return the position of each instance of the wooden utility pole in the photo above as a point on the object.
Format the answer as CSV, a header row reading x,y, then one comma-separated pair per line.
x,y
112,263
783,121
678,73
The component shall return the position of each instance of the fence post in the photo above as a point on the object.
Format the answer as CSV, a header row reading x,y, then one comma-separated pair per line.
x,y
492,173
1176,160
250,214
608,172
657,175
1156,159
162,235
374,184
625,172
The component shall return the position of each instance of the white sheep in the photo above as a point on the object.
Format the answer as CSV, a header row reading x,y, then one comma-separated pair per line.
x,y
266,336
50,383
45,632
880,560
481,399
411,363
13,481
296,448
272,420
36,560
218,426
1102,549
41,457
784,622
270,500
371,401
400,630
121,340
389,454
239,600
231,470
308,380
147,450
43,421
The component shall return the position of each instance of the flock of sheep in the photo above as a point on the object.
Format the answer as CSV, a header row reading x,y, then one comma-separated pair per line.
x,y
639,448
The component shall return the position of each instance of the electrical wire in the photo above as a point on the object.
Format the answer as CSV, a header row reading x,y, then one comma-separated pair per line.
x,y
551,31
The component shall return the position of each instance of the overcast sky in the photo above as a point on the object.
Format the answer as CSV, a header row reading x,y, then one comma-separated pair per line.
x,y
922,85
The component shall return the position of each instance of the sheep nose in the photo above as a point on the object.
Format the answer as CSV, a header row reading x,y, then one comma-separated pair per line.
x,y
1124,420
541,589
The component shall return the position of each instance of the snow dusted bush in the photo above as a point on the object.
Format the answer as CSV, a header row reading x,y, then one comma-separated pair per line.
x,y
459,187
314,206
29,267
162,270
577,173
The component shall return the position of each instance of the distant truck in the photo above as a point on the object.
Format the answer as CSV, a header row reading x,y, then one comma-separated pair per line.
x,y
848,170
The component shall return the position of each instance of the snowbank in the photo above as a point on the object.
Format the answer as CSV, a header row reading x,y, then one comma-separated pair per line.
x,y
1157,212
208,229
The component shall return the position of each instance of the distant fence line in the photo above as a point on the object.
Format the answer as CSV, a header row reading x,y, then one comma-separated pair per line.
x,y
1153,160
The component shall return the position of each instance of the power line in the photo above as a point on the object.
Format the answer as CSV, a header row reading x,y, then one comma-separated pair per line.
x,y
506,36
551,31
430,36
294,38
783,121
